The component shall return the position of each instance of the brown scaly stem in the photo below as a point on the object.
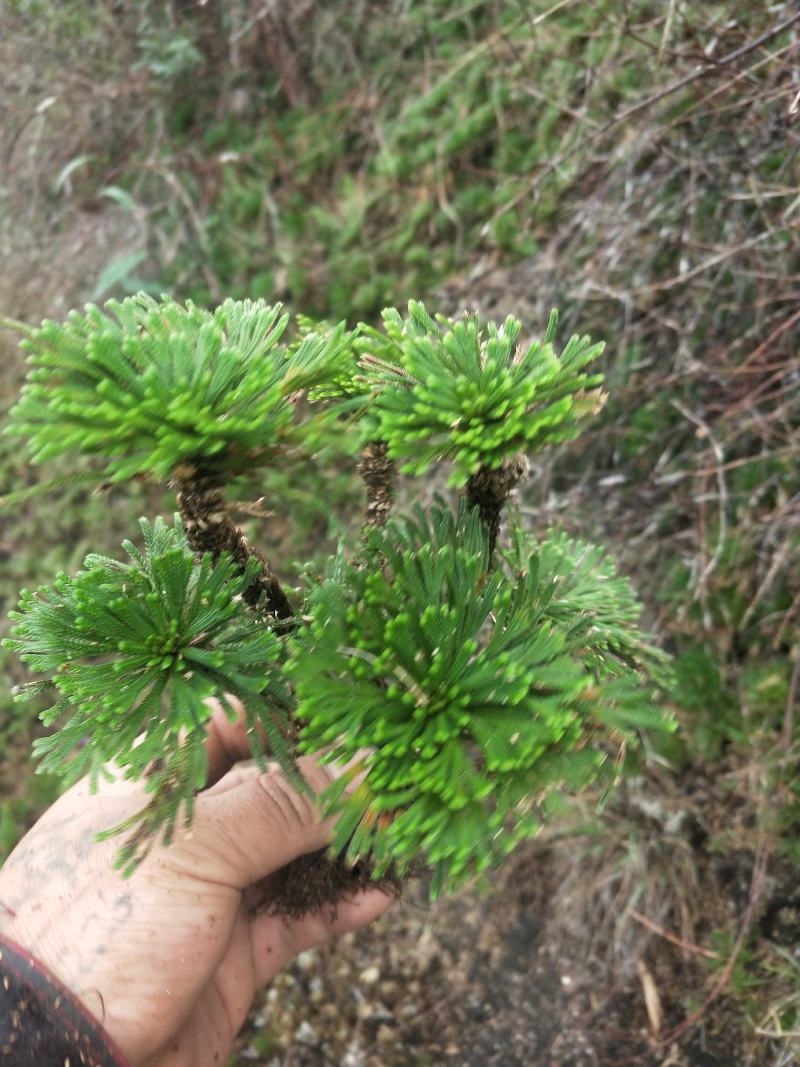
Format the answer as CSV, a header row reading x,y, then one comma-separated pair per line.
x,y
210,528
488,490
378,472
311,881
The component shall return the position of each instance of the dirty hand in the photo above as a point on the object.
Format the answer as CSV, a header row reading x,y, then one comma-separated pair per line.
x,y
170,959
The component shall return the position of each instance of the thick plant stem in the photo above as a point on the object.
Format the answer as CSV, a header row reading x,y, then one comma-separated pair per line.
x,y
378,472
311,881
488,490
210,528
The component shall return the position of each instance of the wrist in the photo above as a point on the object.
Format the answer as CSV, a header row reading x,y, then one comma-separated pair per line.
x,y
41,1021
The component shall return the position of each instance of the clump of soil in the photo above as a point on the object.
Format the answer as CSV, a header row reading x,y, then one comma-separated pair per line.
x,y
316,881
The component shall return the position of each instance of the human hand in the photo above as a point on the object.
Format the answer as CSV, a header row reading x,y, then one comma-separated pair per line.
x,y
170,959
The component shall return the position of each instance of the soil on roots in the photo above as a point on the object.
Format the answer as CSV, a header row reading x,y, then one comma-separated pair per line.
x,y
314,882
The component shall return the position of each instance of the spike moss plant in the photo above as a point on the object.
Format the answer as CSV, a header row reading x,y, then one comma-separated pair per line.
x,y
473,676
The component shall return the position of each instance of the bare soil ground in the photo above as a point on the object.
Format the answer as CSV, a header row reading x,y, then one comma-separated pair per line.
x,y
478,980
583,952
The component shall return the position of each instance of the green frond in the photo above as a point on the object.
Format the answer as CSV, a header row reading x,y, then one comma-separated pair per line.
x,y
455,681
629,703
594,607
466,392
151,385
475,693
134,650
340,382
88,479
169,804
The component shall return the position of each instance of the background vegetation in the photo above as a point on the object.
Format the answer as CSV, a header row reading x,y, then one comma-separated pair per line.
x,y
633,163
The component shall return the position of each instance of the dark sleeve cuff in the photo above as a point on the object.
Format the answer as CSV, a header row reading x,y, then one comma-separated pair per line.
x,y
42,1024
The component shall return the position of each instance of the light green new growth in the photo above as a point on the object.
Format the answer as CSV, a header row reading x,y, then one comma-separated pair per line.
x,y
473,692
467,393
150,386
595,608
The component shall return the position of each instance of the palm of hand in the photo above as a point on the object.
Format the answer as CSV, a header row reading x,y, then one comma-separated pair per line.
x,y
170,959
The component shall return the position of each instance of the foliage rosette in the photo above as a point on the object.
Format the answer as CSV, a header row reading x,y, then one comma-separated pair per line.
x,y
465,697
594,607
468,393
151,386
133,650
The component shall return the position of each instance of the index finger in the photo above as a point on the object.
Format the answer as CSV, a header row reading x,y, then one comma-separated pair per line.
x,y
226,739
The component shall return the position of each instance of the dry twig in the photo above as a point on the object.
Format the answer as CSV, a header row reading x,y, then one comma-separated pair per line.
x,y
687,946
756,887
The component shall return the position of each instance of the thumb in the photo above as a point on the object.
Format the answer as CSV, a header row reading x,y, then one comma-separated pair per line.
x,y
244,833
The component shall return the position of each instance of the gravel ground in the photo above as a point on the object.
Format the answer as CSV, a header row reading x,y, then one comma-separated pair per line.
x,y
471,981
